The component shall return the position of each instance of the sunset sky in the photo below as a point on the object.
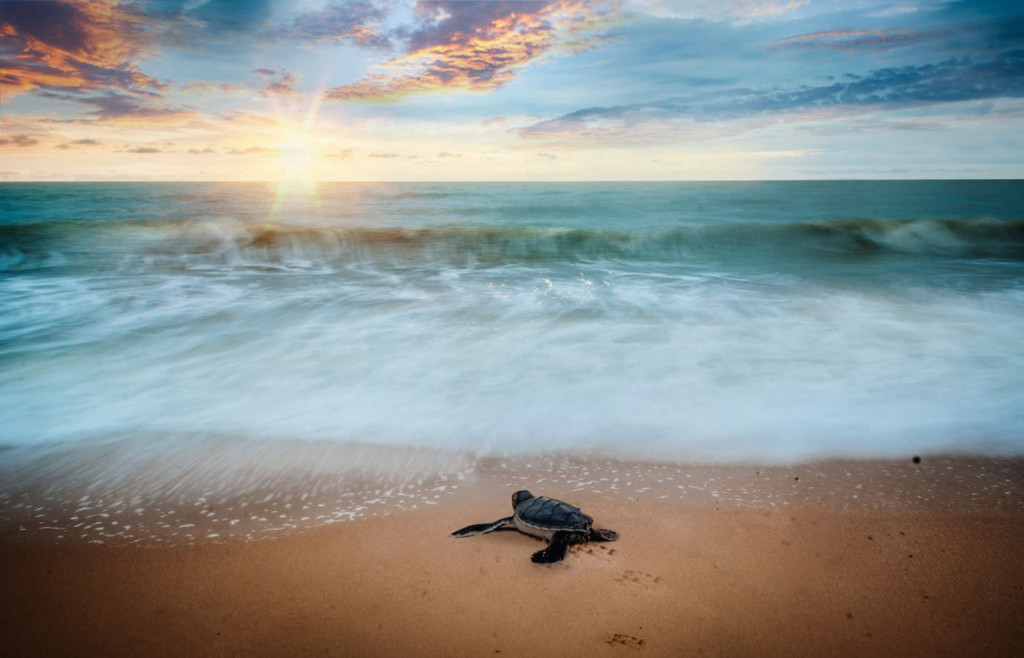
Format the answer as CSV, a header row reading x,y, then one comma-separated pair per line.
x,y
511,90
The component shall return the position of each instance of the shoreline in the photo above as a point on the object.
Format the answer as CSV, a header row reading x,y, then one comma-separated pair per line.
x,y
924,561
107,494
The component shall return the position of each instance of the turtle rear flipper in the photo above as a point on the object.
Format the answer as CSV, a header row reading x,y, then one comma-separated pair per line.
x,y
603,534
483,528
556,550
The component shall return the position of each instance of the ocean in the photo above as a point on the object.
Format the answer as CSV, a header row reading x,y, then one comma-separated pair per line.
x,y
296,357
766,321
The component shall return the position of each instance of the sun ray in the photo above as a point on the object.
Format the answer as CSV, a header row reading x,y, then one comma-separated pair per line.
x,y
297,155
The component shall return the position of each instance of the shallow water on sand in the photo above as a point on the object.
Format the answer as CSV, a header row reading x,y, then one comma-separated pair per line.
x,y
227,490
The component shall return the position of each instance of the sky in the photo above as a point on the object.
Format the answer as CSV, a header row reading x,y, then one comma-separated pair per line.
x,y
385,90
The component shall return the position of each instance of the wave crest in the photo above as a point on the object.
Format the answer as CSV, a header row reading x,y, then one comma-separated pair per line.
x,y
974,238
228,241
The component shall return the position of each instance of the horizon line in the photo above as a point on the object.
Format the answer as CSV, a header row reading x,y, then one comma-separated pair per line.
x,y
510,181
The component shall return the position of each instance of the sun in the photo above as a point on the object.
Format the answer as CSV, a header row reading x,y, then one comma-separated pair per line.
x,y
296,156
297,150
300,149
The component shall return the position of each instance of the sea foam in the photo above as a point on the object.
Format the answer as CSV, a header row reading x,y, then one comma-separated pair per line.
x,y
770,322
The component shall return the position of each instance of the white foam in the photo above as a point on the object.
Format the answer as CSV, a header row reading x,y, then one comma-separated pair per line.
x,y
693,370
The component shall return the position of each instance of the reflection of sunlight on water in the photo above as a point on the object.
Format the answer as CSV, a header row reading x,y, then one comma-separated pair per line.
x,y
296,189
295,195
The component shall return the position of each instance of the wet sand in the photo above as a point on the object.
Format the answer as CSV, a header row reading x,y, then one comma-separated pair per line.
x,y
839,558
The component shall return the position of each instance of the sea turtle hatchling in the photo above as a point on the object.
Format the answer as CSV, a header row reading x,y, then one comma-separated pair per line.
x,y
546,518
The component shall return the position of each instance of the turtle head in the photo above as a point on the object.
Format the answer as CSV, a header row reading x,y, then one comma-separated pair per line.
x,y
519,497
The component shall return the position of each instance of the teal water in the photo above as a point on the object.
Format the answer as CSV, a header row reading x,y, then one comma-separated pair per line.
x,y
726,321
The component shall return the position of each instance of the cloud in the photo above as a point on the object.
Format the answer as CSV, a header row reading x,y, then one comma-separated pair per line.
x,y
270,83
144,149
78,142
894,10
18,140
87,51
84,46
249,151
89,44
356,21
228,24
952,80
732,11
124,108
852,40
445,21
479,46
277,83
202,87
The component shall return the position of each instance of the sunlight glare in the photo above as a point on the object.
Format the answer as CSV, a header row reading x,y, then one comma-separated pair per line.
x,y
297,159
296,156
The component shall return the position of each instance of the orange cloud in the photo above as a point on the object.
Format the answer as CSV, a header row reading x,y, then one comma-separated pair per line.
x,y
84,45
485,57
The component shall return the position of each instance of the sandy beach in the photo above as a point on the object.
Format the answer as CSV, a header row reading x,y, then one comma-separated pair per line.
x,y
836,558
293,291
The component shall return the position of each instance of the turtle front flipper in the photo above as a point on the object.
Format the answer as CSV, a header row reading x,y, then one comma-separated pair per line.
x,y
603,534
483,528
556,550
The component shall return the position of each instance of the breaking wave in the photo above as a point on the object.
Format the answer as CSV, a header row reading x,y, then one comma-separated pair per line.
x,y
228,241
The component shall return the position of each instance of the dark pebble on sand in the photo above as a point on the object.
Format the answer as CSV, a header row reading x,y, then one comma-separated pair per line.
x,y
916,460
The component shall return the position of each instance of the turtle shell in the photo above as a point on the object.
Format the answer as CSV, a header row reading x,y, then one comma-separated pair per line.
x,y
550,514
